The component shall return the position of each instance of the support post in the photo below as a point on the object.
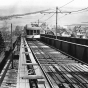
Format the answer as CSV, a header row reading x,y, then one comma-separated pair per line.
x,y
11,46
11,38
38,22
56,20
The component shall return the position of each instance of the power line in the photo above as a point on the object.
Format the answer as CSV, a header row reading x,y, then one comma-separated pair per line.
x,y
66,4
62,16
73,13
16,15
42,11
80,10
42,16
77,12
69,11
50,17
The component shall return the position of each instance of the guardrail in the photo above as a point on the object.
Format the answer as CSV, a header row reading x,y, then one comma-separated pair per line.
x,y
78,51
69,39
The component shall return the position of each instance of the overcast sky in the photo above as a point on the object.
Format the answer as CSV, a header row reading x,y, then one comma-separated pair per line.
x,y
75,3
9,7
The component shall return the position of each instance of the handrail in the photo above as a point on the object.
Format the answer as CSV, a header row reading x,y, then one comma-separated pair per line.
x,y
66,41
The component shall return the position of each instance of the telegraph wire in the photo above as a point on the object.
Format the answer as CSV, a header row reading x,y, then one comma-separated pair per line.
x,y
42,17
45,15
66,4
42,11
16,15
80,10
77,12
84,9
50,17
62,16
69,11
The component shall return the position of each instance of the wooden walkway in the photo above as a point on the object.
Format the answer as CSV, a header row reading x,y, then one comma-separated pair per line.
x,y
22,70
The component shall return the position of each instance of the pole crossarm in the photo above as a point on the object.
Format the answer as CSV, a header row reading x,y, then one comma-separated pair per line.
x,y
55,12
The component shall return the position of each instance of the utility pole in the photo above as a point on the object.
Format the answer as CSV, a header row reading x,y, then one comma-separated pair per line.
x,y
38,22
11,38
56,20
11,46
57,17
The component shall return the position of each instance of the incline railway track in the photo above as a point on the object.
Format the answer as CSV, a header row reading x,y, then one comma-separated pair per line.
x,y
62,71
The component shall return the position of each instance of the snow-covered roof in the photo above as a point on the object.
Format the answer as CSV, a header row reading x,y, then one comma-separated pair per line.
x,y
29,27
65,34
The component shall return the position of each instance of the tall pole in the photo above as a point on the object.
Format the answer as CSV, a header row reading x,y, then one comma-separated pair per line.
x,y
56,20
38,22
11,46
11,38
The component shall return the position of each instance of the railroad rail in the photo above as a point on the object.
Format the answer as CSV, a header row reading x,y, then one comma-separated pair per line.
x,y
40,66
75,50
60,70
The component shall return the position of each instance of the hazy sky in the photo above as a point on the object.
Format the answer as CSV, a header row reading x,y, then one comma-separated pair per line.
x,y
9,7
75,3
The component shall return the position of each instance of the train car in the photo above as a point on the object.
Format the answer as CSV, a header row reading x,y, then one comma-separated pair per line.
x,y
32,32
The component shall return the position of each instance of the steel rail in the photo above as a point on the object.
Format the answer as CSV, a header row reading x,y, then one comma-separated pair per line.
x,y
76,77
64,52
65,77
55,61
62,84
46,76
